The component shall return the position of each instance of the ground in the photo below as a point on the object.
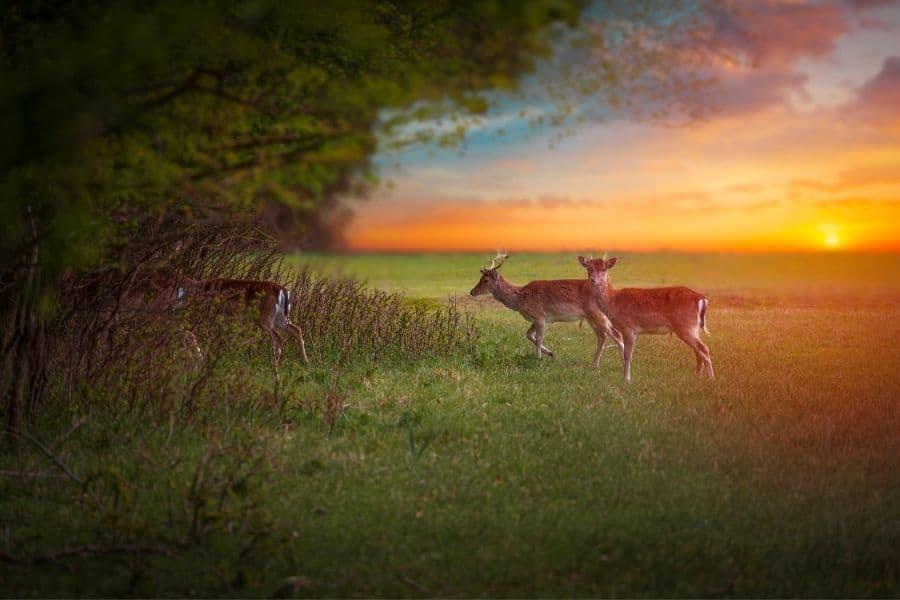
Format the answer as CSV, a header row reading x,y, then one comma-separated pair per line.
x,y
491,473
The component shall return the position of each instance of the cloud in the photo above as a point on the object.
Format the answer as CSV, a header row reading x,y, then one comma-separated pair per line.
x,y
875,24
745,188
858,203
870,175
759,44
879,98
885,174
758,90
778,32
810,184
552,202
867,4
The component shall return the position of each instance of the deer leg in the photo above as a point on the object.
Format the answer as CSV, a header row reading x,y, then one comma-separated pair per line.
x,y
707,359
539,340
268,325
191,345
692,339
277,343
598,328
615,335
297,333
531,338
628,339
601,339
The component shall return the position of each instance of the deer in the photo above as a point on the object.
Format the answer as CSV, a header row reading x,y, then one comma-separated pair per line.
x,y
544,302
661,310
141,295
166,292
269,301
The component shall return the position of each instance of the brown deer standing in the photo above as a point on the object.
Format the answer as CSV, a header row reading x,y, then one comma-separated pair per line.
x,y
543,302
679,310
268,301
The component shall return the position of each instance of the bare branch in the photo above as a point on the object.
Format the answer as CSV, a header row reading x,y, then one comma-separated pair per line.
x,y
46,452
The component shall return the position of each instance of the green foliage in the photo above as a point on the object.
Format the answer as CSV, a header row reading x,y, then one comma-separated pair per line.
x,y
116,112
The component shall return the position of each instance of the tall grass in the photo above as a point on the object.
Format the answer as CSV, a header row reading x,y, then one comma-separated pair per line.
x,y
119,346
343,318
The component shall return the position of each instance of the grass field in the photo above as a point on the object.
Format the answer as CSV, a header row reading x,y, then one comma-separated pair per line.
x,y
495,474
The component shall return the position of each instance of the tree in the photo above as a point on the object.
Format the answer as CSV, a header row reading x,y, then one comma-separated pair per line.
x,y
116,114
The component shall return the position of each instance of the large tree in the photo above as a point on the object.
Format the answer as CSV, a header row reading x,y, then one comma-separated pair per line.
x,y
115,114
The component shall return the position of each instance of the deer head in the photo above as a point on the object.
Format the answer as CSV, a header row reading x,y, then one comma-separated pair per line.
x,y
598,269
489,276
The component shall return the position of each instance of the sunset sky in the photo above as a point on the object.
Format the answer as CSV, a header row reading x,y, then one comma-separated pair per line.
x,y
800,150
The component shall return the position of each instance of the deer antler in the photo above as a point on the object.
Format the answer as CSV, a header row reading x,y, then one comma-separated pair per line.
x,y
497,261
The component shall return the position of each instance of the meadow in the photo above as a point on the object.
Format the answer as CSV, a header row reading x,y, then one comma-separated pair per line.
x,y
487,472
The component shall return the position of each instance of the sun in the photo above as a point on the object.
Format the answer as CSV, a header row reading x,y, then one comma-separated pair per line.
x,y
830,234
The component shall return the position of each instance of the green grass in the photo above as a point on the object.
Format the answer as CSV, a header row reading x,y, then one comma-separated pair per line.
x,y
499,475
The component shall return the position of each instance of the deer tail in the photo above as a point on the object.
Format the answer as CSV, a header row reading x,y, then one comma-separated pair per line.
x,y
702,305
282,302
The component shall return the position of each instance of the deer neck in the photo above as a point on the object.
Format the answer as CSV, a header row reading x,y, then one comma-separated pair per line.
x,y
508,294
604,294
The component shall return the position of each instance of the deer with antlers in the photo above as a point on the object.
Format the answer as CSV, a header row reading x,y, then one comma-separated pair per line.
x,y
544,302
677,310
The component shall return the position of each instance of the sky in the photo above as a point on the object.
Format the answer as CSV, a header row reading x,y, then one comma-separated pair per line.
x,y
798,149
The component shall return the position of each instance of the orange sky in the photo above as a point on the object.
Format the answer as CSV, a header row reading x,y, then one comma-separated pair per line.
x,y
802,152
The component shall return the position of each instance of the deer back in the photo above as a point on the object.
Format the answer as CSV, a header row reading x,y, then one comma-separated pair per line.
x,y
654,309
558,299
268,299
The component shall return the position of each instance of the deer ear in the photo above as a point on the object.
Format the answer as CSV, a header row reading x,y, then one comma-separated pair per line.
x,y
582,261
611,262
483,271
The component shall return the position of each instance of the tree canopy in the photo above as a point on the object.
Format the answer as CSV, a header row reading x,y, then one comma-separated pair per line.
x,y
114,112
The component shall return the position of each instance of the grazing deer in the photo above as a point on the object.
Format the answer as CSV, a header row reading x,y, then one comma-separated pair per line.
x,y
543,302
145,294
166,292
269,301
679,310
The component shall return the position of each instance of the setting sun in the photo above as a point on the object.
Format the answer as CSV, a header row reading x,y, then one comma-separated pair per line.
x,y
831,237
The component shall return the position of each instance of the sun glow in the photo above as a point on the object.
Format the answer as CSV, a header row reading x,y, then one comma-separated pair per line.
x,y
831,237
